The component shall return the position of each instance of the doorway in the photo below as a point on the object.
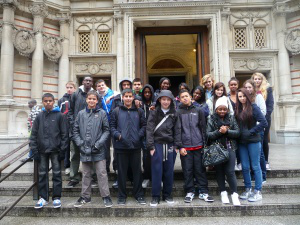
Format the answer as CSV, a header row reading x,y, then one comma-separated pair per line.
x,y
175,81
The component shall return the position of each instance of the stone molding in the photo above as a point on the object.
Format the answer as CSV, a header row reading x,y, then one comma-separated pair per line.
x,y
52,48
64,17
10,3
292,41
24,41
39,9
93,68
252,64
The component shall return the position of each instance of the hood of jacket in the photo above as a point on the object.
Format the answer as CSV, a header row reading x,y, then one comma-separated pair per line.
x,y
82,88
120,84
166,93
152,92
55,109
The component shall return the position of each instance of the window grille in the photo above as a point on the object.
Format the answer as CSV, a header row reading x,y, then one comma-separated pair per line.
x,y
260,37
103,42
84,42
240,39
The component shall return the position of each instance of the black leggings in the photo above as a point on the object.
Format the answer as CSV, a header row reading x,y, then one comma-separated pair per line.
x,y
266,141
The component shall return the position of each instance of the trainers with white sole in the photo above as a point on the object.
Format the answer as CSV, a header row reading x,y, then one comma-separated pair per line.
x,y
255,196
224,197
145,183
189,197
41,203
235,199
246,194
56,203
206,197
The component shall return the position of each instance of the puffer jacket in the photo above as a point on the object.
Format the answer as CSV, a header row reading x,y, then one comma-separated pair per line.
x,y
213,134
168,132
91,131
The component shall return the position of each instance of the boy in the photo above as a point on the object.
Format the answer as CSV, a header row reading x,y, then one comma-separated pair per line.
x,y
128,124
91,131
192,127
137,86
161,135
49,140
64,105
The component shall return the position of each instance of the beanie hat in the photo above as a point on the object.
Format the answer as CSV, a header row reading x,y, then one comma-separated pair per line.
x,y
222,101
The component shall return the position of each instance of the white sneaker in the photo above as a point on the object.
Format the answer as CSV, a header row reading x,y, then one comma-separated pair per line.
x,y
239,166
145,183
189,197
41,203
255,196
268,166
67,171
235,199
224,197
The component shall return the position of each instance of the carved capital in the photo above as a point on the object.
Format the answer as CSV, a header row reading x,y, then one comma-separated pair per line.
x,y
280,9
292,41
39,10
52,48
9,3
118,16
226,12
63,17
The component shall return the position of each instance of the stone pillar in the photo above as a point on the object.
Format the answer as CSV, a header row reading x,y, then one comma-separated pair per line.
x,y
120,47
285,83
7,51
39,12
225,45
64,65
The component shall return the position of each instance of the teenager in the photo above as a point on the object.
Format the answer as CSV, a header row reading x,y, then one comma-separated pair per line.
x,y
251,122
49,141
192,128
266,90
162,138
91,131
223,128
164,84
147,100
128,124
219,90
180,87
198,95
208,85
64,106
137,86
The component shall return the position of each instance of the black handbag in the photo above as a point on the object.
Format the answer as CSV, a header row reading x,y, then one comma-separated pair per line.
x,y
214,154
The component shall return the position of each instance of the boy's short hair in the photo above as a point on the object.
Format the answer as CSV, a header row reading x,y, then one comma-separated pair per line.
x,y
183,91
72,83
100,81
137,80
32,101
93,92
128,90
48,95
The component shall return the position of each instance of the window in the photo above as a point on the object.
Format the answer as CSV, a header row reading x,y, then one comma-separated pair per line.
x,y
103,42
84,42
240,38
260,37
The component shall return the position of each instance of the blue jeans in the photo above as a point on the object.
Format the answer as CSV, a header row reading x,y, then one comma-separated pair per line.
x,y
250,153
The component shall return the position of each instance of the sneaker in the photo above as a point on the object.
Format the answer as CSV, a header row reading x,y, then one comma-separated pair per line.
x,y
264,182
56,203
27,159
72,184
94,184
81,201
206,197
41,203
115,185
239,166
154,202
145,183
245,195
189,197
268,166
235,199
169,199
224,197
236,168
107,202
121,201
67,171
255,196
141,200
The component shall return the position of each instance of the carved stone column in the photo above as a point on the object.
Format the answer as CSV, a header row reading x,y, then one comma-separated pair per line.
x,y
64,20
7,50
39,12
225,45
120,47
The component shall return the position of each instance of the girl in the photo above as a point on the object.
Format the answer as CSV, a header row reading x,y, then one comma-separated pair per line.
x,y
198,95
264,88
222,127
208,85
251,122
164,84
233,85
219,90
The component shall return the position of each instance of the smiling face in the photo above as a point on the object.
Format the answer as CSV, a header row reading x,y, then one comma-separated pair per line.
x,y
219,92
127,99
165,102
186,98
101,87
222,111
208,84
91,101
249,88
165,85
233,86
48,103
257,81
197,95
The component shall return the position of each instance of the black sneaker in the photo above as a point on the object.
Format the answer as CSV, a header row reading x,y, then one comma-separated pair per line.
x,y
121,201
154,202
169,199
141,200
82,201
94,184
115,185
72,184
27,159
107,202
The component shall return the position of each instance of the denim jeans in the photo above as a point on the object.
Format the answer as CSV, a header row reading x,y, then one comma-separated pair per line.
x,y
250,153
44,176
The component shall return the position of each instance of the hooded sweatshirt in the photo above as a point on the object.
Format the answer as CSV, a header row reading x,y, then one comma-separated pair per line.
x,y
117,100
146,106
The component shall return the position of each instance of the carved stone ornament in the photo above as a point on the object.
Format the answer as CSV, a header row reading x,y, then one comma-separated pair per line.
x,y
39,9
24,41
292,41
52,48
94,68
14,3
252,64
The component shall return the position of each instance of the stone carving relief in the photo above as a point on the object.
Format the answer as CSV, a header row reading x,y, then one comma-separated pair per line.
x,y
39,9
252,64
93,68
292,41
95,22
52,48
24,41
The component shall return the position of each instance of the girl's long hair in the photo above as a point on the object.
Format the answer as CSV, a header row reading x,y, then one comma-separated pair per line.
x,y
254,93
205,78
264,84
216,87
244,115
202,91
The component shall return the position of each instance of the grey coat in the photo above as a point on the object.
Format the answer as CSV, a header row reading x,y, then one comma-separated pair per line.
x,y
91,130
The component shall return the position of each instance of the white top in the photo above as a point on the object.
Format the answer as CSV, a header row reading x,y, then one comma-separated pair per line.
x,y
260,102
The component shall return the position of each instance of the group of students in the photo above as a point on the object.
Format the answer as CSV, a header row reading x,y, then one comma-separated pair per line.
x,y
82,127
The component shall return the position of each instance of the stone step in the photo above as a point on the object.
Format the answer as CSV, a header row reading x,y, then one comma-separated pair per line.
x,y
273,186
178,175
272,204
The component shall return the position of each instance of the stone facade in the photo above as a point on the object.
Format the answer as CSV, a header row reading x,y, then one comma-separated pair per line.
x,y
46,43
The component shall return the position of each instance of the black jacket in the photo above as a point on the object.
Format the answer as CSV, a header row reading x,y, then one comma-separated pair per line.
x,y
213,134
49,132
192,125
146,106
168,132
91,131
130,124
64,103
269,103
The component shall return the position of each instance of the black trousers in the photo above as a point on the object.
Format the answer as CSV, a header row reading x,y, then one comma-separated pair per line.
x,y
107,153
227,168
266,141
146,162
126,161
44,176
192,167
